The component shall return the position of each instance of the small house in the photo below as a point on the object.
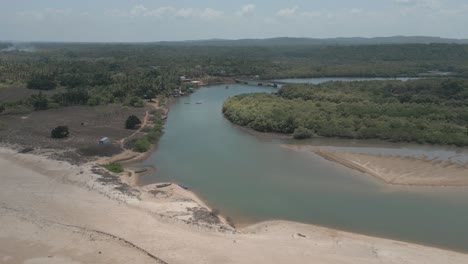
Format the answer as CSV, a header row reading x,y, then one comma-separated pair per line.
x,y
104,141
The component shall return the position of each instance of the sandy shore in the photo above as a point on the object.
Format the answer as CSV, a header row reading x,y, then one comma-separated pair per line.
x,y
398,170
55,212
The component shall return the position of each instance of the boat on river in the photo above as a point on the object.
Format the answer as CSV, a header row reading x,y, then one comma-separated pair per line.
x,y
163,185
183,186
199,102
141,170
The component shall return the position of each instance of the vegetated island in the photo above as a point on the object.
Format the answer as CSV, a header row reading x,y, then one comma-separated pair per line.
x,y
430,111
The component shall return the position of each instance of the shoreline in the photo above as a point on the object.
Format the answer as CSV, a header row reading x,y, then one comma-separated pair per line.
x,y
143,156
159,210
395,170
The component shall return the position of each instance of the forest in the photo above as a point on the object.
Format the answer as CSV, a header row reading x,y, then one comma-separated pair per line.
x,y
431,111
51,75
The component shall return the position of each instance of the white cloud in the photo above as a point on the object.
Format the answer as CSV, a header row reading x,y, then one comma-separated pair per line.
x,y
404,2
162,11
167,12
288,12
139,10
431,4
207,13
43,14
247,10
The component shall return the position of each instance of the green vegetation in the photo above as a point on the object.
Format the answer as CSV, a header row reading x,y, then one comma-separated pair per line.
x,y
97,74
60,132
135,102
139,144
114,167
425,111
302,133
132,122
152,134
42,82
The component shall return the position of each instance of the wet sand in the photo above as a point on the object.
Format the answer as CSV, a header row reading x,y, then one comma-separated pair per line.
x,y
398,170
55,212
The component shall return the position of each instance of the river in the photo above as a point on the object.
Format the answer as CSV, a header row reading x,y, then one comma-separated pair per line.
x,y
251,178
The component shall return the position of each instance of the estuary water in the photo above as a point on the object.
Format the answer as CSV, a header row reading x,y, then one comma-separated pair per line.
x,y
251,178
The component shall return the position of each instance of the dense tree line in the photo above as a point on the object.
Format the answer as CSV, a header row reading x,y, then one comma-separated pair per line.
x,y
424,111
94,74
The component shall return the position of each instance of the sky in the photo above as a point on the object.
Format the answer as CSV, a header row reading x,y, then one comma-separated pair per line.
x,y
161,20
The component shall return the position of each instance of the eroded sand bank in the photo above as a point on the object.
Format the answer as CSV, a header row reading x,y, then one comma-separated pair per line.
x,y
399,170
54,212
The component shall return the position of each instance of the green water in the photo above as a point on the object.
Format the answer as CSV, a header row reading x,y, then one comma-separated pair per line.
x,y
252,179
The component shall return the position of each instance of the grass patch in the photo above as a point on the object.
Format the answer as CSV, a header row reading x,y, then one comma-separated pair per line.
x,y
114,167
139,144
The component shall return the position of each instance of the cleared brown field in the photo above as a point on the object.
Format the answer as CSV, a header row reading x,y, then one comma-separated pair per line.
x,y
86,124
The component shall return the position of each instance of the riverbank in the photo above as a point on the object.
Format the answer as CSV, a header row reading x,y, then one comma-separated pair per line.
x,y
397,170
128,157
52,211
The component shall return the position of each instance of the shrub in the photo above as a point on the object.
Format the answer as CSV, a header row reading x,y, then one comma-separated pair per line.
x,y
41,83
114,167
60,132
135,102
142,145
302,133
132,122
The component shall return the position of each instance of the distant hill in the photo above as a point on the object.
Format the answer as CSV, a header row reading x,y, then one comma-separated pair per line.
x,y
286,41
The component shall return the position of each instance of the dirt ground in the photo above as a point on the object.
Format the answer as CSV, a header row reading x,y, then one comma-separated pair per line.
x,y
55,212
86,125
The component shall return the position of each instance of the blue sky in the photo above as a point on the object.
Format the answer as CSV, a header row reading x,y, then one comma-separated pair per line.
x,y
156,20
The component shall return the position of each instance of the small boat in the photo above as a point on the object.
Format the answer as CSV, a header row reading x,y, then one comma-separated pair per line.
x,y
163,185
227,87
183,186
199,102
187,103
141,170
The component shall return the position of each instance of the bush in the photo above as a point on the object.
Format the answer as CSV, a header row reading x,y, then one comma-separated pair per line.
x,y
135,102
114,167
302,133
142,145
60,132
41,83
138,144
132,122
